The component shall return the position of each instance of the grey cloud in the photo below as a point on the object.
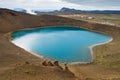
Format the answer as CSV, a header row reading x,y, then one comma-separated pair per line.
x,y
96,2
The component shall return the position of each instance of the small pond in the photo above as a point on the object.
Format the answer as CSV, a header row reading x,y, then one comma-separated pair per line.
x,y
62,43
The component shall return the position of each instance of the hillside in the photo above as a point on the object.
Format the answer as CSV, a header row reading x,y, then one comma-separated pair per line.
x,y
13,59
10,19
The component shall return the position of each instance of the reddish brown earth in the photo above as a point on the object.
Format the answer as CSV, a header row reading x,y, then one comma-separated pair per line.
x,y
12,58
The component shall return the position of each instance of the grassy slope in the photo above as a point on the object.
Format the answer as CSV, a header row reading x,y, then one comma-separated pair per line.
x,y
112,18
107,56
99,18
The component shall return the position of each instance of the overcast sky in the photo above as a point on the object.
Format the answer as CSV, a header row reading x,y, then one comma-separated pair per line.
x,y
57,4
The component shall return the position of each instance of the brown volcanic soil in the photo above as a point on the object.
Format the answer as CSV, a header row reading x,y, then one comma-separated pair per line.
x,y
12,58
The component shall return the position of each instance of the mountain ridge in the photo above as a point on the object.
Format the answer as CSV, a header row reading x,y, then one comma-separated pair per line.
x,y
65,10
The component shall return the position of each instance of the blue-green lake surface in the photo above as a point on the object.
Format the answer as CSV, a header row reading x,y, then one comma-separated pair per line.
x,y
62,43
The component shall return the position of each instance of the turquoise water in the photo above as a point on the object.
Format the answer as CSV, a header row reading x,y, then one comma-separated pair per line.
x,y
65,43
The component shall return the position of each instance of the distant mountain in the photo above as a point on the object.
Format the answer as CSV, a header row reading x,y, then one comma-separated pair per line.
x,y
104,11
20,10
66,10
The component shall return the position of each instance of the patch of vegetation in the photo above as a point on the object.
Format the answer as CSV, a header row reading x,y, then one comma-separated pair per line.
x,y
112,19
